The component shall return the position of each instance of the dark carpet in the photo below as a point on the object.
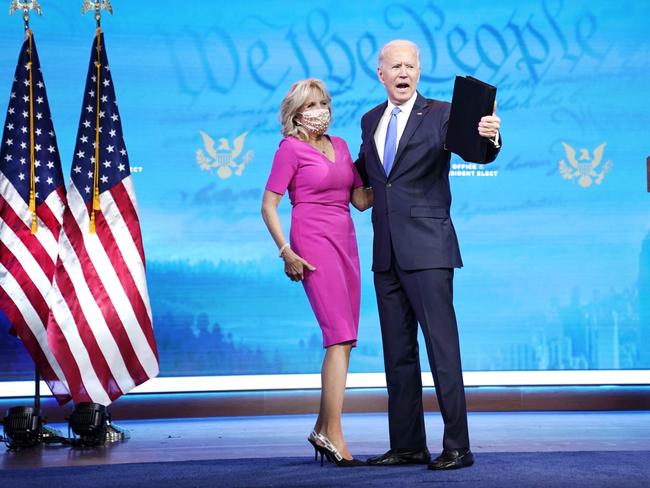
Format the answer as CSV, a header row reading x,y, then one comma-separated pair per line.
x,y
548,469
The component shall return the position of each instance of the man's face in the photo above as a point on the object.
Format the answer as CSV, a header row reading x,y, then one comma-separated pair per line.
x,y
399,72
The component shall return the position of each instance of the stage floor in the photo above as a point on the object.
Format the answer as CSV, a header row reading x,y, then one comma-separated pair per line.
x,y
367,434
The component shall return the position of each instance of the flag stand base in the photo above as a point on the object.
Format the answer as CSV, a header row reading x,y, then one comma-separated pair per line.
x,y
50,435
115,433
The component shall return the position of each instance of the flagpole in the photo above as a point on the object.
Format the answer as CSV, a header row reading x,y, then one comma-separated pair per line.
x,y
37,389
98,65
23,416
97,6
26,7
113,432
32,153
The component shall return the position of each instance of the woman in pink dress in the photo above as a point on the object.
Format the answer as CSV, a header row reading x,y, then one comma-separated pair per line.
x,y
318,172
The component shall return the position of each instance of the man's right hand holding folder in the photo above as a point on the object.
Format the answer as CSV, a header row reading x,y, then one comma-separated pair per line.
x,y
489,125
472,103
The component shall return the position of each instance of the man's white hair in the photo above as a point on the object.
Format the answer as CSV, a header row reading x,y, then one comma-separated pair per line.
x,y
395,42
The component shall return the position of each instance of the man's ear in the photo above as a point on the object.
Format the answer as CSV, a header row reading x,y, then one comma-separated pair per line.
x,y
380,75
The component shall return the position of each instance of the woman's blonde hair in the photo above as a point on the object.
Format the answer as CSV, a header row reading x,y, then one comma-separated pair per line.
x,y
296,98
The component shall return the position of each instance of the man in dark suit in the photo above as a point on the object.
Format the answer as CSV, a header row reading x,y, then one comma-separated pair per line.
x,y
415,251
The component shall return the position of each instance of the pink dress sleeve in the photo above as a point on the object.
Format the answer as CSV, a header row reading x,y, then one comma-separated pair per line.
x,y
285,165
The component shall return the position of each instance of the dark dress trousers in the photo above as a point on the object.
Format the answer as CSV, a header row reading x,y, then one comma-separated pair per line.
x,y
415,251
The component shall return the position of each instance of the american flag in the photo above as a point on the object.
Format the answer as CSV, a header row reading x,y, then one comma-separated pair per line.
x,y
28,254
100,325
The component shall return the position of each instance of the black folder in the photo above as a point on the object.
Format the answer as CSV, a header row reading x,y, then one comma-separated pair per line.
x,y
472,100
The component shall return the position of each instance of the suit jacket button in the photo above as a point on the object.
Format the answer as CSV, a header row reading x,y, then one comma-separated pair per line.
x,y
388,185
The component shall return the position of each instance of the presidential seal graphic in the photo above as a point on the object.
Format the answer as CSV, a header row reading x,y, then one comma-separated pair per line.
x,y
224,158
587,168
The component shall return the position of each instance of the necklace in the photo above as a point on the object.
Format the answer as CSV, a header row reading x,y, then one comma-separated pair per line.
x,y
324,146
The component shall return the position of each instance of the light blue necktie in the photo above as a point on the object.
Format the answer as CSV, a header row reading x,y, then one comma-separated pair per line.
x,y
390,147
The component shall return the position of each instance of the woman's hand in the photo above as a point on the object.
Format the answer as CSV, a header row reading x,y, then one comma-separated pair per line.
x,y
294,265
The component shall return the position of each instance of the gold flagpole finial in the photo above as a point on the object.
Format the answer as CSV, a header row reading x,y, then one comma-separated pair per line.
x,y
97,6
25,7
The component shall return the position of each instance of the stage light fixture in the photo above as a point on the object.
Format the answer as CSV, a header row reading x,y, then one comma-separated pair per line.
x,y
89,423
22,427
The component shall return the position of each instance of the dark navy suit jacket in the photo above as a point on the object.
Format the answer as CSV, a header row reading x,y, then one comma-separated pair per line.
x,y
411,208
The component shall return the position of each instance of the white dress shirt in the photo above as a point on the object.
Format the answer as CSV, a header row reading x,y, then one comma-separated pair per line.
x,y
402,118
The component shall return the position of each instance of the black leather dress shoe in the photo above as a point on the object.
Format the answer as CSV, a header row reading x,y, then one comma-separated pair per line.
x,y
401,456
453,459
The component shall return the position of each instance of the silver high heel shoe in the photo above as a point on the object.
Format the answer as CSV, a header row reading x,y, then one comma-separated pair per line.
x,y
313,439
334,455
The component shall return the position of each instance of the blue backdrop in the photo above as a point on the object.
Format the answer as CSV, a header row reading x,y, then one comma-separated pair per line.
x,y
555,234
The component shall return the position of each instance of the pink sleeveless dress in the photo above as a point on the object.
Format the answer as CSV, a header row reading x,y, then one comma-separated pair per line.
x,y
322,231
